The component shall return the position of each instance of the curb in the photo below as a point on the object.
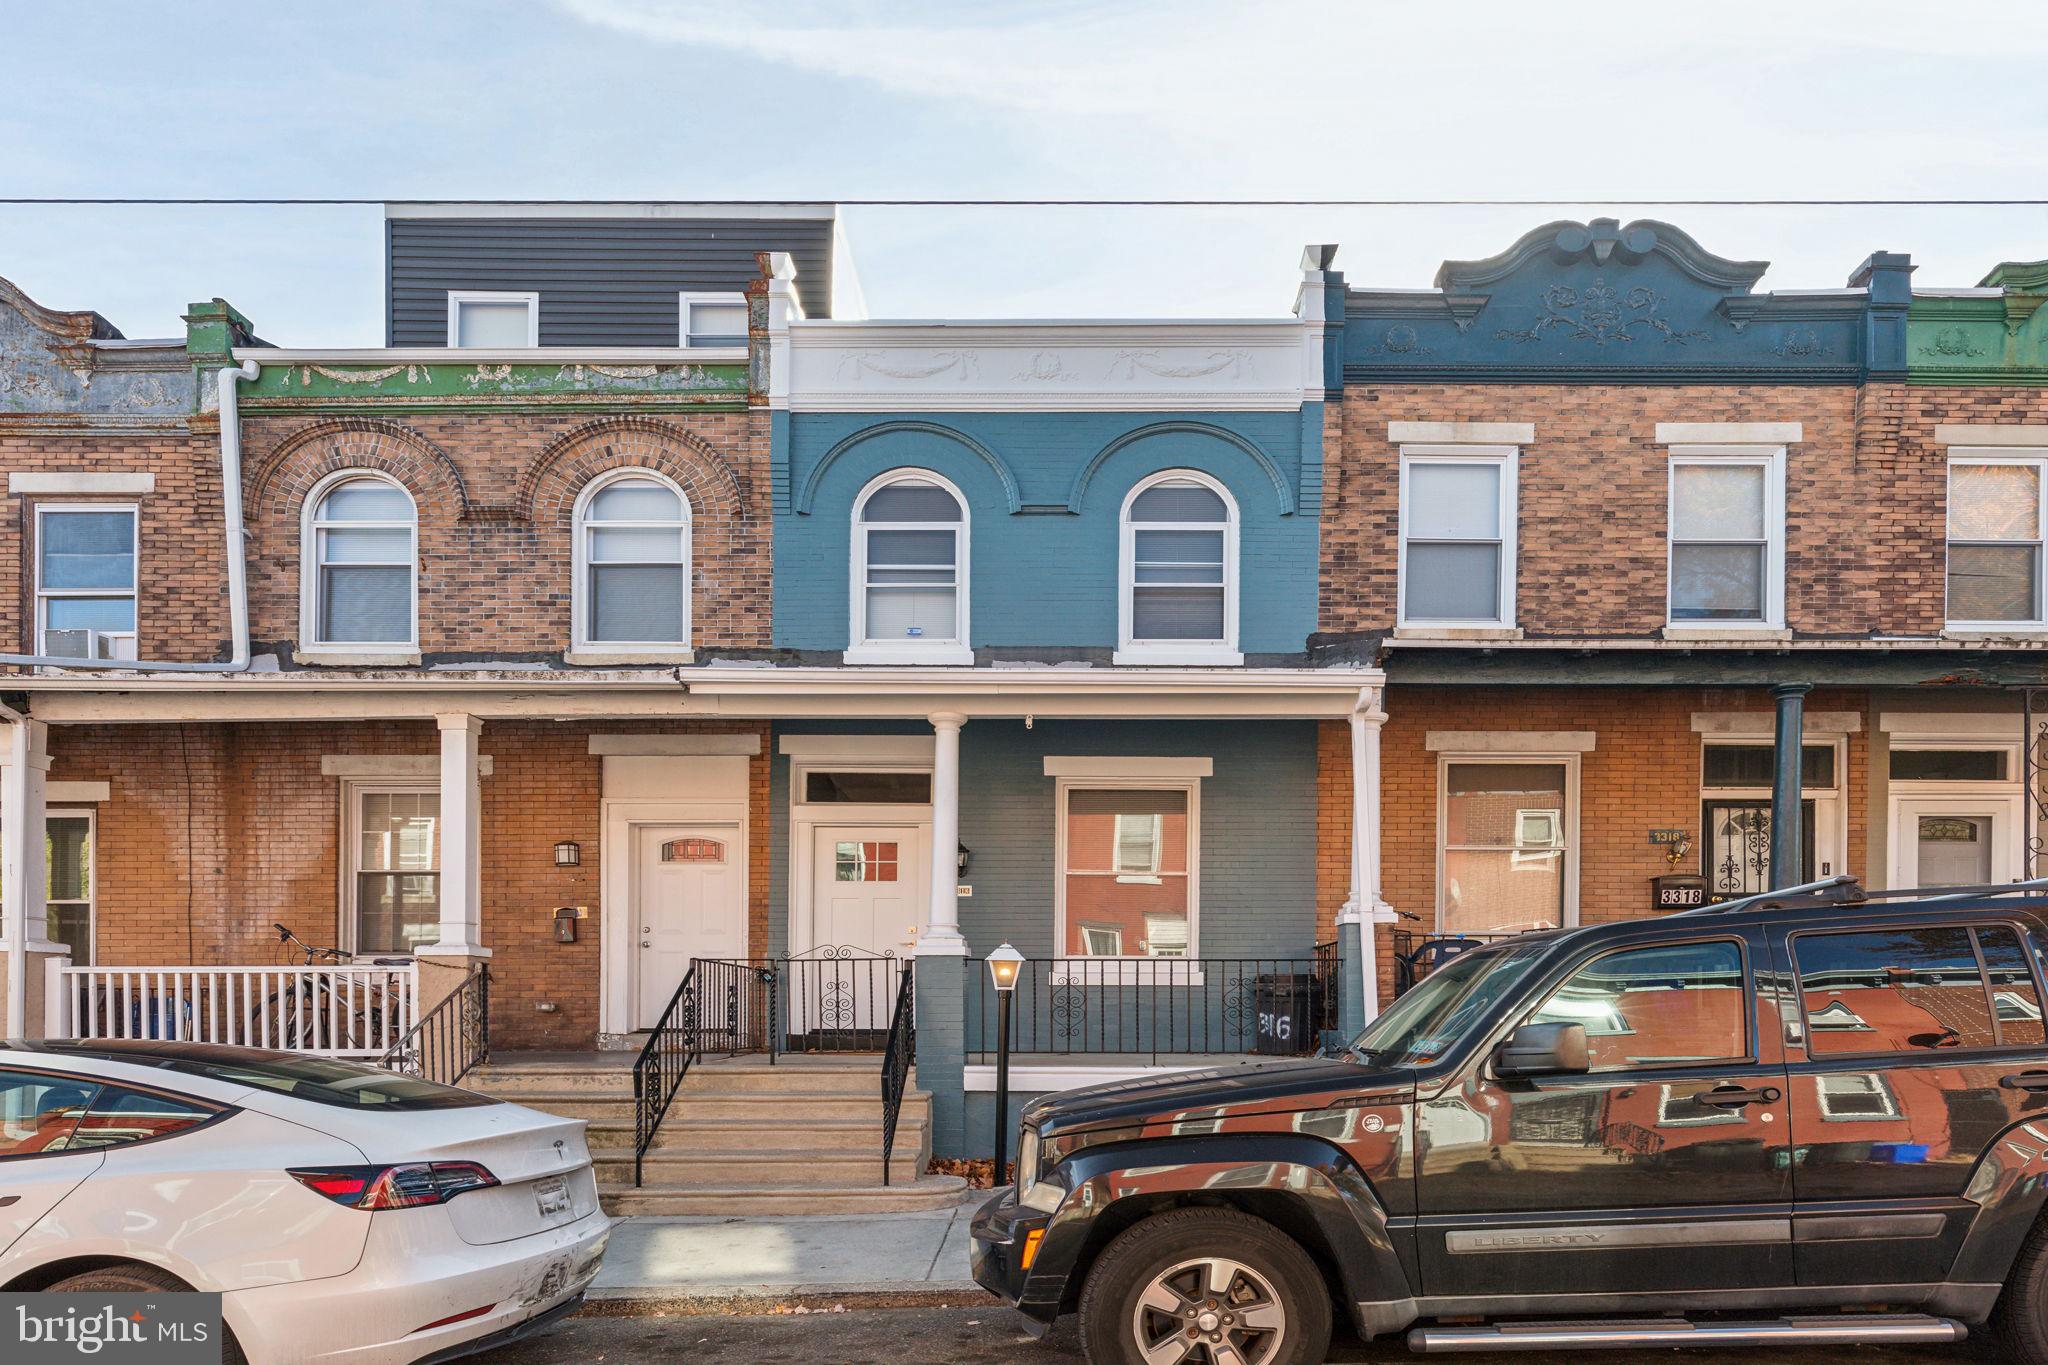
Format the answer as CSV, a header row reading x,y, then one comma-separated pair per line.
x,y
756,1300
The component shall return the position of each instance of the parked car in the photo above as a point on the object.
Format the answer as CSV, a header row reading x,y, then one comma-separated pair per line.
x,y
1807,1117
341,1211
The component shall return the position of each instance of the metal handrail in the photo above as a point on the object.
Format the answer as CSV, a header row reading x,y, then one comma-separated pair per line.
x,y
659,1069
457,1031
897,1055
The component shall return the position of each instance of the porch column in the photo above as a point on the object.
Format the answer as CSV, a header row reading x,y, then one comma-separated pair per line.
x,y
461,845
1788,758
1363,908
940,988
24,917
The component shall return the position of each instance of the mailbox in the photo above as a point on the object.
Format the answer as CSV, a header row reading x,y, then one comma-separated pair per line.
x,y
1678,891
565,924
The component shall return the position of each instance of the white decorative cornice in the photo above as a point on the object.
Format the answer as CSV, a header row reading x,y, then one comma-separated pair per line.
x,y
1248,365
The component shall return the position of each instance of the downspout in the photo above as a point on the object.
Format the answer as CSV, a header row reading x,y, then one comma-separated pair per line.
x,y
238,571
17,944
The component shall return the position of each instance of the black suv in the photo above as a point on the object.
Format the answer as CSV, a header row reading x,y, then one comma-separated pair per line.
x,y
1813,1116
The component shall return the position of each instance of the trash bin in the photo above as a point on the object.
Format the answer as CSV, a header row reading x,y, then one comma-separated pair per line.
x,y
1285,1006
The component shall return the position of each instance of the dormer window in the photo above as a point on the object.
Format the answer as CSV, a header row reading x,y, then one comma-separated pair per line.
x,y
714,320
493,320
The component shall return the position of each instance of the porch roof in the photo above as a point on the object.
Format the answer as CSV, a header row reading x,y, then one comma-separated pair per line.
x,y
755,692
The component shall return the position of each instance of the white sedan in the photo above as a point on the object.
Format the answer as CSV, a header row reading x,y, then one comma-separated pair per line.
x,y
343,1213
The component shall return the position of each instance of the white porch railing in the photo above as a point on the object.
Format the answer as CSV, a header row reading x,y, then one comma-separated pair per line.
x,y
337,1011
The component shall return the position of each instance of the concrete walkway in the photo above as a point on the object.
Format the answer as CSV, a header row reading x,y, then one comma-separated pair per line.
x,y
727,1258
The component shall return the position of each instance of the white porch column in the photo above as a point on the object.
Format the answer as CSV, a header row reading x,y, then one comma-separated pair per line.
x,y
941,936
1364,908
24,920
461,841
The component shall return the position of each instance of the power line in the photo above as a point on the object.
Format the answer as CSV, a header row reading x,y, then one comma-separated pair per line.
x,y
339,202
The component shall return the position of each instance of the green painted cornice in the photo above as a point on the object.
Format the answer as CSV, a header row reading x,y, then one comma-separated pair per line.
x,y
1990,338
328,385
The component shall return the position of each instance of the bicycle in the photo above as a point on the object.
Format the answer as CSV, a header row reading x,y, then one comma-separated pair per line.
x,y
310,1015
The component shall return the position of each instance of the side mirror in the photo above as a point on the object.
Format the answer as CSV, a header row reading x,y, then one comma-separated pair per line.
x,y
1543,1050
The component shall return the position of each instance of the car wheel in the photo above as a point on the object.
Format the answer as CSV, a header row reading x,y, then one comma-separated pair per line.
x,y
1204,1287
144,1279
2020,1321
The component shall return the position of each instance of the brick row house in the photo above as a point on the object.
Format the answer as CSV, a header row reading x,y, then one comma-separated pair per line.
x,y
642,604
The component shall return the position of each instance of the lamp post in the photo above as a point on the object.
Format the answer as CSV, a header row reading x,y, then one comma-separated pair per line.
x,y
1003,965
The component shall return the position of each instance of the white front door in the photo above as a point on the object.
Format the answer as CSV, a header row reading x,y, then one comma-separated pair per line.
x,y
1956,840
868,887
689,901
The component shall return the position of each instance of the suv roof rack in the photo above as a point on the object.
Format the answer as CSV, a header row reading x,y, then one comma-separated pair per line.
x,y
1846,890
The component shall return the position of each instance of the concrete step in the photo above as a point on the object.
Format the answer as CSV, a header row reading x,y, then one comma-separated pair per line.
x,y
726,1078
765,1169
926,1192
683,1132
516,1082
794,1108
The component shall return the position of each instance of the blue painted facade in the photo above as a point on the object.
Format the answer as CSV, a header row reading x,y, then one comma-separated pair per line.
x,y
1044,492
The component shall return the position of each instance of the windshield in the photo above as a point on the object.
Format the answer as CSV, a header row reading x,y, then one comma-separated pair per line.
x,y
1434,1015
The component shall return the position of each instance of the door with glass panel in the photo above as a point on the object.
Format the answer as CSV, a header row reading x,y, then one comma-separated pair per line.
x,y
394,882
1735,815
868,895
1955,840
68,871
1506,847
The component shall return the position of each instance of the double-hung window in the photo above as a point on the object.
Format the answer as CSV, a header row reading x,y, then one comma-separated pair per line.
x,y
909,572
497,320
1457,536
1996,520
393,878
85,581
1727,527
1127,886
1177,590
633,565
714,320
360,565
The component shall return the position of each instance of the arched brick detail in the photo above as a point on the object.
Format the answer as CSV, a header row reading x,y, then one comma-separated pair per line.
x,y
549,486
284,476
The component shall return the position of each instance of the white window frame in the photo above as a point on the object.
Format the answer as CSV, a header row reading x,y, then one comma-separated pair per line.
x,y
1569,826
861,649
581,606
1130,649
458,297
2038,460
353,791
1131,968
1770,459
1830,803
310,524
91,816
1508,459
43,595
689,300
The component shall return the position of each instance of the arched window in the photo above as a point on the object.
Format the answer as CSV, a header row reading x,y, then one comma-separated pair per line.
x,y
361,565
1177,576
910,571
632,564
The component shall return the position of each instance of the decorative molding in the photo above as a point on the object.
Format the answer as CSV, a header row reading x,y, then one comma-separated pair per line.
x,y
1604,242
746,745
1253,365
1763,724
1258,457
1105,767
1461,433
1730,433
1012,494
1509,741
24,482
1601,313
393,765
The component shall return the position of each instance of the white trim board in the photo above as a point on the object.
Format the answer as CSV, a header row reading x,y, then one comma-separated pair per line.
x,y
859,748
1463,742
1730,433
1461,433
393,765
747,746
1090,766
77,793
61,482
1764,724
1990,725
1990,434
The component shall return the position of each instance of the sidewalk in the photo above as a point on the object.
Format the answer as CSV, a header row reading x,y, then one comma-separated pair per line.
x,y
687,1260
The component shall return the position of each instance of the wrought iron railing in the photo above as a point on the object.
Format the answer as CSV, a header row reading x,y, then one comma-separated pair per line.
x,y
1162,1006
659,1069
897,1055
453,1038
836,999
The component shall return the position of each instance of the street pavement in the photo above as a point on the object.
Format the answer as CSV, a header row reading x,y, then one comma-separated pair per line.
x,y
738,1258
966,1335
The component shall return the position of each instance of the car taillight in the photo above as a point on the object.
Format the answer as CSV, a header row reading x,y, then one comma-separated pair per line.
x,y
412,1186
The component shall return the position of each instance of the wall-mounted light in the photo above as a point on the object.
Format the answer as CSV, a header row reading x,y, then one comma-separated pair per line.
x,y
961,859
568,853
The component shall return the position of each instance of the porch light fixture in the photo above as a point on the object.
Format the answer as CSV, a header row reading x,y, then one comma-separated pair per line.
x,y
1003,965
960,860
568,853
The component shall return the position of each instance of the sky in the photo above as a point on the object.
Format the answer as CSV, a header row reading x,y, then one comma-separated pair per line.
x,y
827,99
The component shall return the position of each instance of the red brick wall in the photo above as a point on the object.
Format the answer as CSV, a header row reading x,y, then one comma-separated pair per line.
x,y
264,844
496,495
182,608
